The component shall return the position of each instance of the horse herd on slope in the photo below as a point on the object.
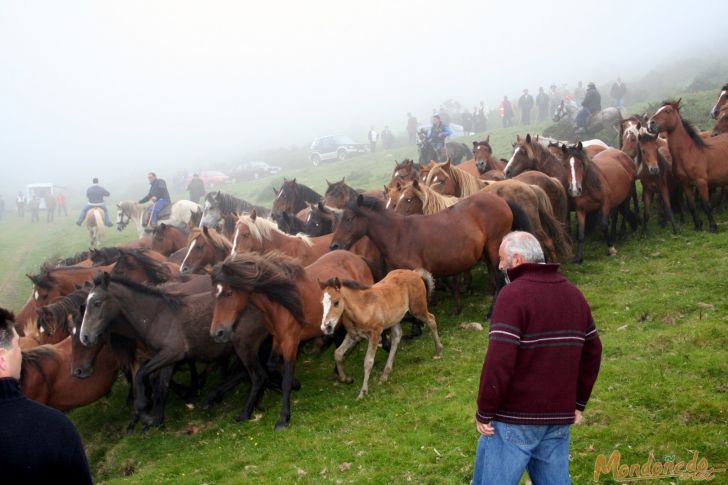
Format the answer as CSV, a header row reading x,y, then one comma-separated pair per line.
x,y
241,289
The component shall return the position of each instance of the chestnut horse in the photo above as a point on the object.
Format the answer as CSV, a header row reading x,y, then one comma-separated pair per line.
x,y
655,172
292,197
167,239
369,310
697,162
53,319
205,247
403,172
339,194
721,122
417,198
144,266
289,297
603,184
722,101
254,233
445,244
553,189
446,179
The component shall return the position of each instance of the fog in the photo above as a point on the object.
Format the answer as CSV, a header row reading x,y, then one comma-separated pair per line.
x,y
116,89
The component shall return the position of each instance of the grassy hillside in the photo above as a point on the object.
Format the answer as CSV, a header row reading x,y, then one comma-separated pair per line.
x,y
660,306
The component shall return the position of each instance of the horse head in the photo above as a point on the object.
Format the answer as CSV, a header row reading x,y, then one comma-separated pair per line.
x,y
575,161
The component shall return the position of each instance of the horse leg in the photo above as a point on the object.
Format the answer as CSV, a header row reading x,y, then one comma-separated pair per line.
x,y
667,206
702,186
635,202
647,203
154,364
369,362
160,391
580,223
612,251
348,343
690,197
396,333
458,307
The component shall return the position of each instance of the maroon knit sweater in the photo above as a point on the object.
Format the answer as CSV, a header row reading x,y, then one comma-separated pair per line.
x,y
543,351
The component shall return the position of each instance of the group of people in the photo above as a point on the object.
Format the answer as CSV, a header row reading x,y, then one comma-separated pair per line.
x,y
386,136
35,203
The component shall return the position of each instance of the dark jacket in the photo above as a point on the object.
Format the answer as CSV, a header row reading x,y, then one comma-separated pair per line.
x,y
543,350
37,444
196,188
157,189
542,100
592,100
525,102
438,134
96,193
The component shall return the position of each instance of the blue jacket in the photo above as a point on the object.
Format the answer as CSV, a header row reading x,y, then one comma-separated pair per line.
x,y
157,189
438,135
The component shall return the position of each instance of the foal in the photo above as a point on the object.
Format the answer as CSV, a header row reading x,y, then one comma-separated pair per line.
x,y
369,310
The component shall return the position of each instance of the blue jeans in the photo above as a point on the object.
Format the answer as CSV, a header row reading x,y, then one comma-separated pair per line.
x,y
581,118
159,204
86,208
542,450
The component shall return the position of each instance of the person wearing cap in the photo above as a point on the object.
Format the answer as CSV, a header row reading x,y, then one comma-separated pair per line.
x,y
592,104
196,188
438,133
95,195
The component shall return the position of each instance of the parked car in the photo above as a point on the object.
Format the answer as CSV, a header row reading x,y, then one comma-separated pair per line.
x,y
335,147
254,170
211,178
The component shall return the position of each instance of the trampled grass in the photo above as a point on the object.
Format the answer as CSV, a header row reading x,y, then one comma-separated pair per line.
x,y
661,307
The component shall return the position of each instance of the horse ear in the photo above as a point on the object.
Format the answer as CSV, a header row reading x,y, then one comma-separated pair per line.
x,y
528,138
343,179
328,183
536,138
105,279
677,103
639,126
487,139
235,214
579,146
275,191
206,230
399,186
320,205
322,284
359,200
518,138
337,283
564,150
415,184
475,144
294,180
162,226
253,215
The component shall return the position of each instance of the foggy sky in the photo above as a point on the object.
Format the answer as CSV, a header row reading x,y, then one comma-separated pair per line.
x,y
120,88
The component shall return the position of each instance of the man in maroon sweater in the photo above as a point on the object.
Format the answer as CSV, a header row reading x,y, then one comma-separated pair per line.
x,y
542,361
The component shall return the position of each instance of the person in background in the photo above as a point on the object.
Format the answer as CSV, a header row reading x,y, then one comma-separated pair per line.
x,y
525,105
412,129
50,205
95,196
372,136
592,104
61,204
387,138
618,91
20,203
37,444
196,187
34,206
542,103
506,112
159,195
554,97
438,134
579,93
542,362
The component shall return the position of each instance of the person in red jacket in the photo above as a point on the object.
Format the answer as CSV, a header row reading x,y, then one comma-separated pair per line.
x,y
541,365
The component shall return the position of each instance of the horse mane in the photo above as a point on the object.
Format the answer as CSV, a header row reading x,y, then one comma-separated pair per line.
x,y
105,255
68,305
71,260
365,202
308,194
273,274
262,229
725,87
156,271
229,203
34,358
432,202
468,184
123,349
216,239
172,300
690,128
340,187
351,284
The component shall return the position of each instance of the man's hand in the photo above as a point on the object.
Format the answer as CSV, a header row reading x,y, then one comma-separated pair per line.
x,y
485,429
578,417
154,199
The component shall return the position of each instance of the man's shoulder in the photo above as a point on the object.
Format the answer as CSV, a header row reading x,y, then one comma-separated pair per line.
x,y
45,417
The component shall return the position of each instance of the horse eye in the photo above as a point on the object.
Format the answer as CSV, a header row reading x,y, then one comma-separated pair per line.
x,y
97,303
198,248
336,303
229,293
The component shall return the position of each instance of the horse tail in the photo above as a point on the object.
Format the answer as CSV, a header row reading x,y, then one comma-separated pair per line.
x,y
468,153
428,280
554,228
520,219
99,221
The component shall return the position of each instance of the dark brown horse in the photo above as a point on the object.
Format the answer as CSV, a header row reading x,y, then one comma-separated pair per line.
x,y
445,244
145,266
167,239
553,189
53,319
603,184
720,102
321,220
293,197
338,194
289,297
403,172
286,222
697,162
654,168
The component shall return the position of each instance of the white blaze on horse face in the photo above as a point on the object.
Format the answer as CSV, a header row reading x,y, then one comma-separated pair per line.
x,y
396,174
658,111
433,181
403,194
73,332
573,175
326,302
36,296
508,165
234,251
219,291
192,245
389,202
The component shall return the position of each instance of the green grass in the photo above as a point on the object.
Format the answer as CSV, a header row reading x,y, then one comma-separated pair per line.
x,y
660,306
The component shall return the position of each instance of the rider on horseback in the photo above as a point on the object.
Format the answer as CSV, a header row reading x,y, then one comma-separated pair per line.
x,y
437,135
95,195
592,104
158,194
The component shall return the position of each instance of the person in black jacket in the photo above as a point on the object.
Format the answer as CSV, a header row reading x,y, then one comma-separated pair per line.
x,y
37,444
592,104
158,194
95,195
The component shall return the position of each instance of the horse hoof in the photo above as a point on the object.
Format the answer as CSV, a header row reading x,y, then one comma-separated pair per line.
x,y
244,416
612,251
361,395
437,357
347,380
281,425
577,260
713,228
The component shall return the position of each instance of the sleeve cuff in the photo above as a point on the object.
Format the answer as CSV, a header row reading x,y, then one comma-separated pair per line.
x,y
580,405
484,418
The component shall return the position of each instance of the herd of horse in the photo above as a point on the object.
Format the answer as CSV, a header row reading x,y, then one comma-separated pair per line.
x,y
239,288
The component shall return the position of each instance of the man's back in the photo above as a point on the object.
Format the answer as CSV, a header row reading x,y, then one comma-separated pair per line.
x,y
37,444
96,193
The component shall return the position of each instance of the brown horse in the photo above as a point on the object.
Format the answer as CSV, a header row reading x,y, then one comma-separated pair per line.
x,y
262,235
445,244
484,158
403,172
366,311
94,222
720,102
52,323
289,297
603,184
292,197
338,194
446,179
629,132
205,247
655,172
697,162
321,220
167,239
528,155
721,122
145,266
553,189
416,198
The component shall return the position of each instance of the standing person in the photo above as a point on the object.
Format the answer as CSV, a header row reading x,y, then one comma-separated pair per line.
x,y
506,112
592,103
525,105
372,137
618,91
412,129
50,203
37,444
579,93
196,187
554,97
20,203
159,195
34,206
95,196
61,204
438,135
387,138
541,365
542,102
